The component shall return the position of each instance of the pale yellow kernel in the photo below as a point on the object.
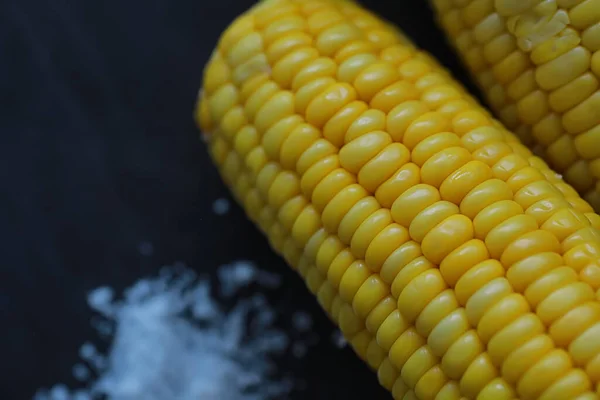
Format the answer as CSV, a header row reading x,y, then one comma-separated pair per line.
x,y
383,166
573,93
563,69
394,94
590,38
286,44
490,27
330,40
584,116
353,66
335,129
585,14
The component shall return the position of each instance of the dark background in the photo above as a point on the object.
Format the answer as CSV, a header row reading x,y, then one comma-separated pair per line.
x,y
99,153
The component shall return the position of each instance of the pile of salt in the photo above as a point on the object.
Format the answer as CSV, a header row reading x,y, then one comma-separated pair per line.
x,y
172,341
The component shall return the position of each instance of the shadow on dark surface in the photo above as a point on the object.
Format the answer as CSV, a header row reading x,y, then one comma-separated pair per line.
x,y
100,154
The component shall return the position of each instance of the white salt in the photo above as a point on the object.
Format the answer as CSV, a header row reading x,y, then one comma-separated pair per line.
x,y
172,341
302,321
338,339
221,206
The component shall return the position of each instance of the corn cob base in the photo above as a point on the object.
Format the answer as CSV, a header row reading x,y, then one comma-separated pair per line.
x,y
455,262
538,63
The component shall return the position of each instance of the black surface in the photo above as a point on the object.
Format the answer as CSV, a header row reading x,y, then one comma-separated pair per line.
x,y
99,153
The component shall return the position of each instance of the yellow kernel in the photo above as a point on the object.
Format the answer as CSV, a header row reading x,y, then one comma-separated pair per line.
x,y
590,38
431,383
355,217
477,277
391,329
331,185
469,120
485,297
285,45
340,205
446,237
286,68
384,244
367,231
585,14
408,342
374,78
522,85
501,314
462,259
402,116
437,309
522,359
339,266
480,372
369,121
372,291
330,40
483,195
323,19
456,186
514,335
379,313
432,145
414,69
328,102
554,47
499,47
427,219
546,371
306,225
563,69
353,66
511,67
248,46
584,116
443,164
316,173
354,155
279,106
320,68
335,129
419,292
383,166
487,29
352,280
497,389
493,215
461,353
408,270
392,95
396,54
404,178
551,281
417,365
414,200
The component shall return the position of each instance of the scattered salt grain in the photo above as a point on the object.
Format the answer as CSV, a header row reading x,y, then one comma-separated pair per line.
x,y
221,206
302,321
173,341
81,372
339,340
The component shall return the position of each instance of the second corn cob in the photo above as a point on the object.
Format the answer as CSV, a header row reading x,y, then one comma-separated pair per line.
x,y
538,64
455,262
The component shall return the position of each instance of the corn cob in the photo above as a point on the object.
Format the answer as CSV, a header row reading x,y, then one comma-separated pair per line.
x,y
455,262
538,64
